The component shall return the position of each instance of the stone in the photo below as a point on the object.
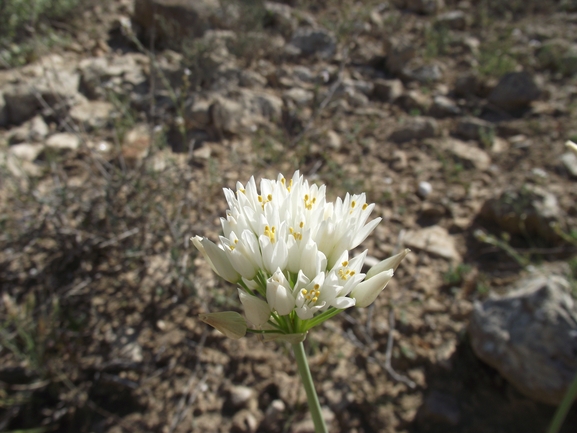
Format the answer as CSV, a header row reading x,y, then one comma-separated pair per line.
x,y
136,145
529,211
425,7
26,151
468,84
54,87
530,336
92,115
515,90
240,395
413,100
387,90
177,19
262,104
425,74
307,41
415,128
197,112
425,189
454,20
400,50
333,140
228,116
251,79
569,160
280,18
63,141
434,240
34,130
472,128
244,422
100,75
300,97
469,153
443,107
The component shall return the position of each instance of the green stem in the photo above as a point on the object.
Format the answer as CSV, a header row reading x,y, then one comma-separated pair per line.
x,y
313,400
564,407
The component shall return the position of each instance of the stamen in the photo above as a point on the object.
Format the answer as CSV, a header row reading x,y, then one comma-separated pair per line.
x,y
365,206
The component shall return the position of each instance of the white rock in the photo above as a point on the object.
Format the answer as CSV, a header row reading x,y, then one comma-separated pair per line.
x,y
425,189
26,151
63,141
435,240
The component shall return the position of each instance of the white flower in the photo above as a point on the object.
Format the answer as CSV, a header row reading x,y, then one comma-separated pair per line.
x,y
288,245
571,146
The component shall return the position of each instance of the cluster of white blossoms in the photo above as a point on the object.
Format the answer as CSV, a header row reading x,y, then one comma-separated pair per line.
x,y
288,250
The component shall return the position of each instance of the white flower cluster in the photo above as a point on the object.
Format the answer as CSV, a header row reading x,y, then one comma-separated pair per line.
x,y
291,246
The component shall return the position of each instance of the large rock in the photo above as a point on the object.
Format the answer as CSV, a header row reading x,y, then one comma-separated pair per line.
x,y
529,210
52,86
100,75
469,153
416,128
307,41
516,90
473,128
435,240
177,19
530,337
242,111
92,115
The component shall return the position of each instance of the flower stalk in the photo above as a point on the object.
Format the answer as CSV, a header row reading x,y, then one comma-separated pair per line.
x,y
307,380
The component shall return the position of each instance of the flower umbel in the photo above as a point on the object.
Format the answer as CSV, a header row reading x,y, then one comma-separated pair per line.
x,y
288,248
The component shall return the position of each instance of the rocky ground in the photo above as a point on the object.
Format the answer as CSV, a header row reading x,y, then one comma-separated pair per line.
x,y
116,143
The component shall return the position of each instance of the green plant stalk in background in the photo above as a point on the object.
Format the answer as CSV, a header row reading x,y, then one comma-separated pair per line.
x,y
564,407
313,400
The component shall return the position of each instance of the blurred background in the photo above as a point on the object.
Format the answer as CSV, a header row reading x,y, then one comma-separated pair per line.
x,y
121,122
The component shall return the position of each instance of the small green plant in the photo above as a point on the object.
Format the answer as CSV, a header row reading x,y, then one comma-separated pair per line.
x,y
456,274
437,41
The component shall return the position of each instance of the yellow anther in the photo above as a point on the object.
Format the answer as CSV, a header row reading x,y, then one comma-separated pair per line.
x,y
291,230
365,206
282,180
306,197
315,299
304,291
273,229
353,203
269,197
317,286
260,199
236,241
345,263
301,224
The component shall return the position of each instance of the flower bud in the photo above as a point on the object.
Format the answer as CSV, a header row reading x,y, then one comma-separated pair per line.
x,y
390,263
256,310
217,259
366,292
279,294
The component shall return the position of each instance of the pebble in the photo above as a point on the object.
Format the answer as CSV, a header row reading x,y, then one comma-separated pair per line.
x,y
425,189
